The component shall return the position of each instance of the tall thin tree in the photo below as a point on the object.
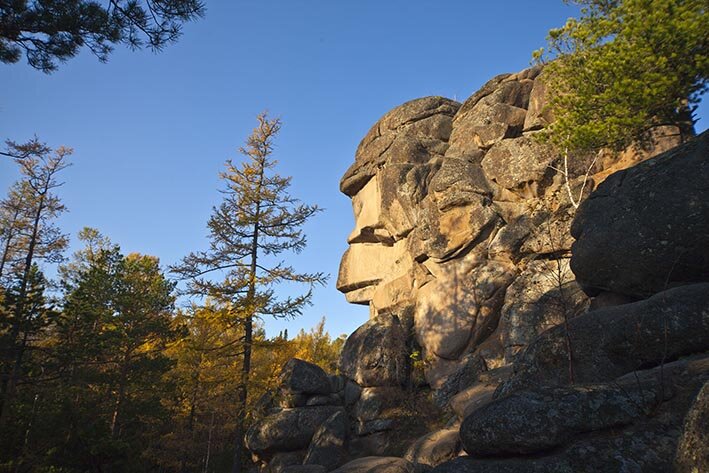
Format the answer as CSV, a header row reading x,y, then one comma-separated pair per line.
x,y
257,221
37,206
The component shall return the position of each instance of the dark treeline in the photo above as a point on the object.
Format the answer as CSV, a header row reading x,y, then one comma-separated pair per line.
x,y
100,371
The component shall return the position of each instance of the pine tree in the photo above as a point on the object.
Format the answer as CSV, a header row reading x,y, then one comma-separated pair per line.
x,y
48,32
110,347
257,221
624,67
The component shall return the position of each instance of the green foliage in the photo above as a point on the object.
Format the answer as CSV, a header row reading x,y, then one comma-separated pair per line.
x,y
110,378
624,67
93,383
51,31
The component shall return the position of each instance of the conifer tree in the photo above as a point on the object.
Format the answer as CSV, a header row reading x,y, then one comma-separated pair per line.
x,y
624,67
111,345
29,235
54,31
257,221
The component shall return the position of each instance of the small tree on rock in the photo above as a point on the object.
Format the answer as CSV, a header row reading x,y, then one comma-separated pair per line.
x,y
624,67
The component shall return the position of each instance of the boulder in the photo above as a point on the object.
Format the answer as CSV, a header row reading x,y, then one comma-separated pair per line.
x,y
461,307
534,421
487,88
377,465
610,342
466,374
367,427
302,377
646,228
472,398
543,296
434,448
412,132
636,451
538,115
647,444
374,402
328,446
322,400
288,399
287,430
282,460
507,242
352,392
447,227
493,118
515,162
376,353
550,236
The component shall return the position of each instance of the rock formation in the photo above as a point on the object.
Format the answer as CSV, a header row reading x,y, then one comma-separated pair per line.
x,y
482,343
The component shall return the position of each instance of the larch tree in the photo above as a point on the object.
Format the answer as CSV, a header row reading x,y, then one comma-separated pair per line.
x,y
257,221
29,236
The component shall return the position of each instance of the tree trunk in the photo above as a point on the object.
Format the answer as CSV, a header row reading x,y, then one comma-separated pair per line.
x,y
120,397
10,376
242,395
190,421
8,241
209,444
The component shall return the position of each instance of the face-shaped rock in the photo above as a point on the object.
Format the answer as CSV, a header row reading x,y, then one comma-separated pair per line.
x,y
446,200
411,205
418,215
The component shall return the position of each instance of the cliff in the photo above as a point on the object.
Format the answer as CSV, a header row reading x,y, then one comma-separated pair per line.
x,y
503,337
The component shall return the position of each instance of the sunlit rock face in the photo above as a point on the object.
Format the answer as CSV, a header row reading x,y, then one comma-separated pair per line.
x,y
480,338
461,223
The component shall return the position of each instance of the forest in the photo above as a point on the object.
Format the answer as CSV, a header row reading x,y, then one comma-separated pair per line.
x,y
102,368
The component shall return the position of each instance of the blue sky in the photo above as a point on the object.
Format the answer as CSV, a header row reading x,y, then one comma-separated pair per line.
x,y
151,132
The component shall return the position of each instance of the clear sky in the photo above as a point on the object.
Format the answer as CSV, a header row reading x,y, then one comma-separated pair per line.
x,y
151,132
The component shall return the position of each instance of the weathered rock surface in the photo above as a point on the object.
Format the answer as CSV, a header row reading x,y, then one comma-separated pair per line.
x,y
534,421
610,342
472,398
303,377
377,465
305,469
373,402
328,446
413,131
287,430
434,448
693,448
516,162
634,452
468,372
376,353
639,233
543,296
283,460
647,443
